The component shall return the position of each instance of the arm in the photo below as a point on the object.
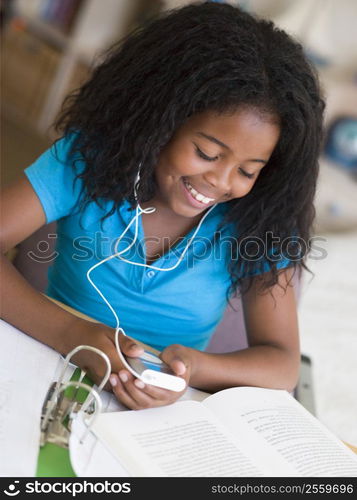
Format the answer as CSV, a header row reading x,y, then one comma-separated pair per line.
x,y
273,357
29,310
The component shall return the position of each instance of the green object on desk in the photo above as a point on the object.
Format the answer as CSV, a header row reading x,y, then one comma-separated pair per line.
x,y
53,460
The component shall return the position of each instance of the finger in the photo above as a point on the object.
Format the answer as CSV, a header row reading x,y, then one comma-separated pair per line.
x,y
135,388
163,395
178,366
135,394
121,393
129,346
175,358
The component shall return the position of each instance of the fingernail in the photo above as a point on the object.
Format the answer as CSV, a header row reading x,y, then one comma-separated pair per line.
x,y
123,376
182,369
139,384
113,380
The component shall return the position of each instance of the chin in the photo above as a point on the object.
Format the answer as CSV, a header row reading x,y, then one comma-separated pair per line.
x,y
189,212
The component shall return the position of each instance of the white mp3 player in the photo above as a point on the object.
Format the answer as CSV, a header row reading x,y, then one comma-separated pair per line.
x,y
153,371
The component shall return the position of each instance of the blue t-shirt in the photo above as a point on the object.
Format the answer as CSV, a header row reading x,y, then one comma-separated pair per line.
x,y
183,305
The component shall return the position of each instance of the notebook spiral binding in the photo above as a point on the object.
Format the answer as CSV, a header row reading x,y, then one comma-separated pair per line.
x,y
59,409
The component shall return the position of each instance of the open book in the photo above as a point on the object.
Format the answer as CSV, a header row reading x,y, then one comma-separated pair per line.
x,y
241,432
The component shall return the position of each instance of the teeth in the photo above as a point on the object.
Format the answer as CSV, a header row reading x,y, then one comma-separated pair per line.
x,y
198,196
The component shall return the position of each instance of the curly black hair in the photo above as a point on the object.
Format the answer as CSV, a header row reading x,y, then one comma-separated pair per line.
x,y
205,56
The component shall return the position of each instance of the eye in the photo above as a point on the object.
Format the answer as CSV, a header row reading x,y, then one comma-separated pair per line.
x,y
204,156
243,172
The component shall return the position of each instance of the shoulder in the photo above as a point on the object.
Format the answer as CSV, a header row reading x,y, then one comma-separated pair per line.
x,y
54,178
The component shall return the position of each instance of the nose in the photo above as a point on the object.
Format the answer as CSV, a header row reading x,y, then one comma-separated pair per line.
x,y
221,180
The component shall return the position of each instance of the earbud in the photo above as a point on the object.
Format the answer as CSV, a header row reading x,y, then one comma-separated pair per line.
x,y
148,210
137,182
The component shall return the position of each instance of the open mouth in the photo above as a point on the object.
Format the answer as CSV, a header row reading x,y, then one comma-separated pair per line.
x,y
194,197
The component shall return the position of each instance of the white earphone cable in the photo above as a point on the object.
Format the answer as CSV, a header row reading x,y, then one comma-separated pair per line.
x,y
139,210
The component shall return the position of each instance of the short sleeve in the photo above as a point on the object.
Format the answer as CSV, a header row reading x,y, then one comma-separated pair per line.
x,y
54,180
264,265
283,263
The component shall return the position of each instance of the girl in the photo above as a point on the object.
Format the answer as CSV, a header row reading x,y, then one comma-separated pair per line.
x,y
221,115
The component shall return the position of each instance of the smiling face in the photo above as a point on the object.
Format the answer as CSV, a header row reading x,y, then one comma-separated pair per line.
x,y
212,159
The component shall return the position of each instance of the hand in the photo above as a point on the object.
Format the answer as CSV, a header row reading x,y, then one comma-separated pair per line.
x,y
137,395
102,337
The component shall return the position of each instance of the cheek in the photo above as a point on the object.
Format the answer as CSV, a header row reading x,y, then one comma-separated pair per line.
x,y
242,188
179,161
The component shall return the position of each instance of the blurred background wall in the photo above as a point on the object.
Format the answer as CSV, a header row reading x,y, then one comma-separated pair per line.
x,y
49,47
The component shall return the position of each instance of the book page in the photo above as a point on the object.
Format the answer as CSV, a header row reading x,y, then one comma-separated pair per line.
x,y
278,426
91,458
27,369
182,439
